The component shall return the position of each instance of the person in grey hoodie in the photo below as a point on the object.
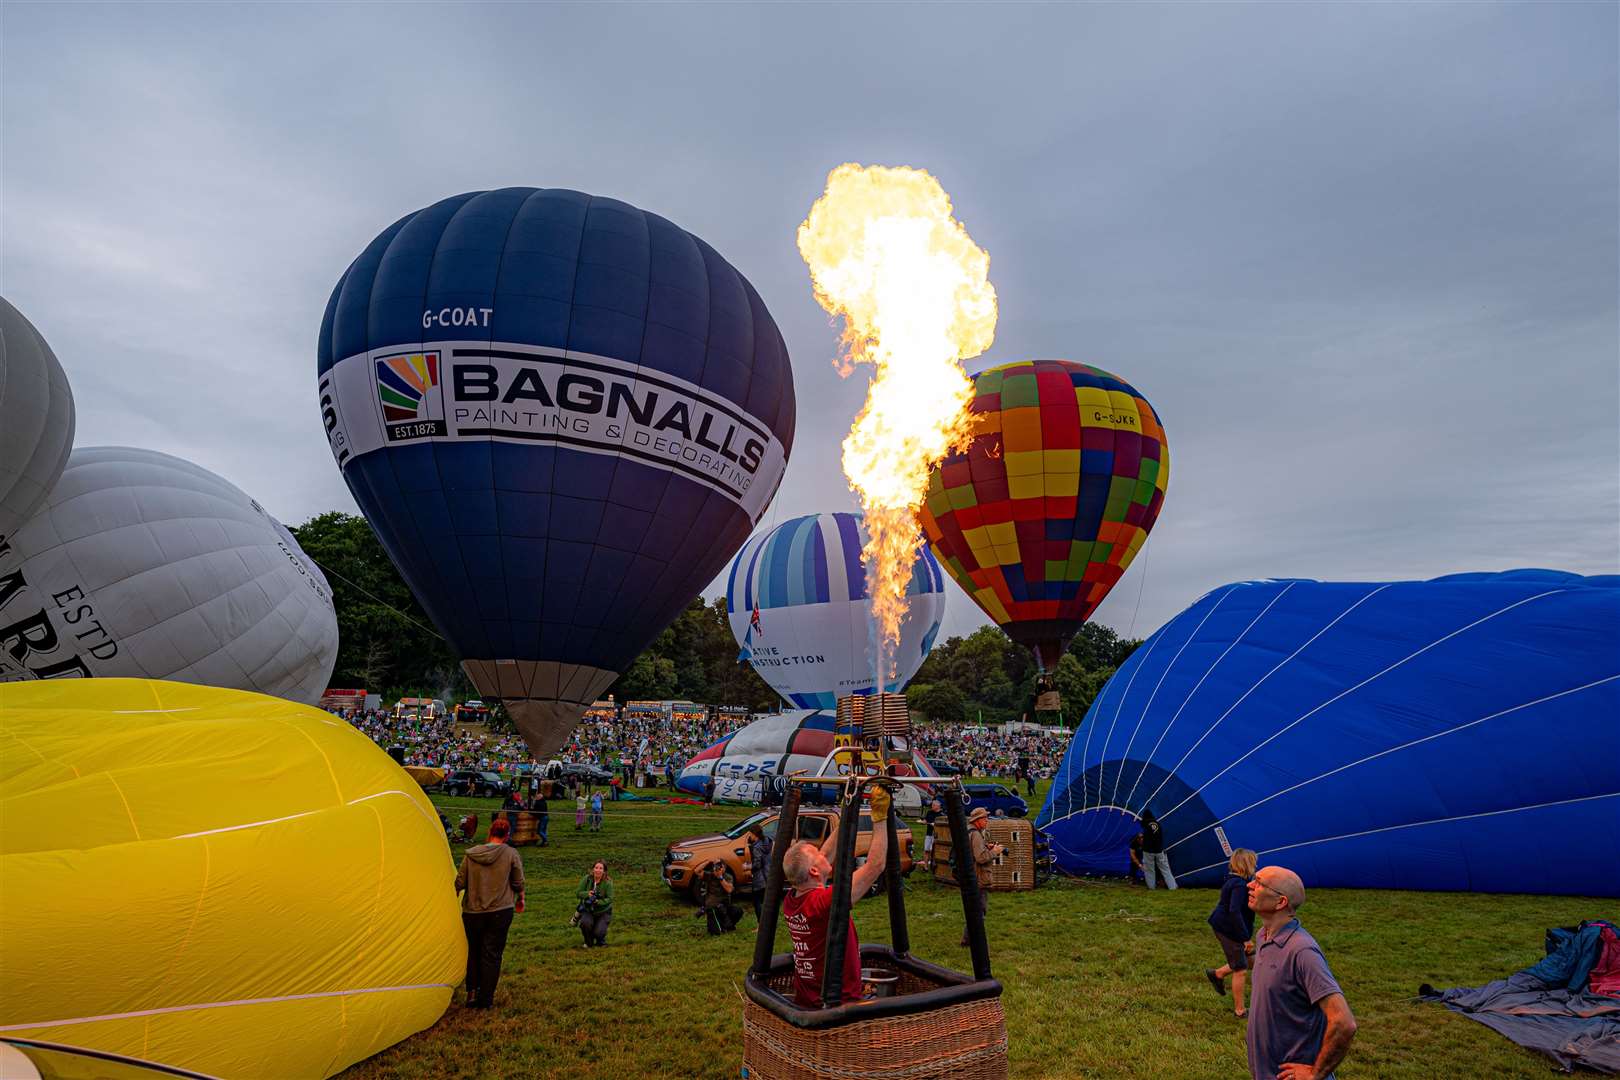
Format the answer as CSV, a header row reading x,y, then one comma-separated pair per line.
x,y
490,881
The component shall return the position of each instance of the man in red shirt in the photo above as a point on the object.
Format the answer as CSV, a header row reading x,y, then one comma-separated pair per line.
x,y
808,907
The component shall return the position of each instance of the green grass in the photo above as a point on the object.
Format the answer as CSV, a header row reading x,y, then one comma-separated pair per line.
x,y
1101,979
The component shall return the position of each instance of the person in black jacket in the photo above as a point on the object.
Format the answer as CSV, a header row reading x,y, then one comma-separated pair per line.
x,y
1153,856
1233,923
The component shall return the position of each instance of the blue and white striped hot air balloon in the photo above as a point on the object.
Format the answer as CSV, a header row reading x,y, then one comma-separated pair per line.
x,y
798,604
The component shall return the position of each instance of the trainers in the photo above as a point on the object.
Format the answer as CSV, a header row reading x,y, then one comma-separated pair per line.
x,y
1215,981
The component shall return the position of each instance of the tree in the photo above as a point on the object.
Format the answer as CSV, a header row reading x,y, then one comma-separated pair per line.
x,y
385,640
1096,646
695,658
937,701
1078,686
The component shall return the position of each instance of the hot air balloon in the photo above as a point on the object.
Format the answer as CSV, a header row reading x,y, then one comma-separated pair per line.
x,y
562,415
1052,499
799,608
218,881
36,419
782,744
1454,734
141,564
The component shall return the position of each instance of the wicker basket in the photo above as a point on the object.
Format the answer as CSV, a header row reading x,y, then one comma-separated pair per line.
x,y
1011,871
525,828
940,1024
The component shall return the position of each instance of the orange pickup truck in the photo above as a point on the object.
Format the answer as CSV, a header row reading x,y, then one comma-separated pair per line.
x,y
684,860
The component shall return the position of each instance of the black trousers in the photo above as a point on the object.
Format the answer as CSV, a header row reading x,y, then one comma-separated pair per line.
x,y
723,919
486,941
594,926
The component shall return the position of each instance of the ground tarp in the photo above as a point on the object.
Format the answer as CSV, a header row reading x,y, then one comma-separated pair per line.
x,y
1555,1007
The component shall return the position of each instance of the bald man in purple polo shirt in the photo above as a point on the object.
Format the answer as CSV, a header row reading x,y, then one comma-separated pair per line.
x,y
1300,1026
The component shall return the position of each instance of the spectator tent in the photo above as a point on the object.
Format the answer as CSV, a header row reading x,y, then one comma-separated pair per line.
x,y
1459,733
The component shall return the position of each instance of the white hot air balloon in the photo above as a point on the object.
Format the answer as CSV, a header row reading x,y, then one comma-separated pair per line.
x,y
143,565
797,601
794,743
36,419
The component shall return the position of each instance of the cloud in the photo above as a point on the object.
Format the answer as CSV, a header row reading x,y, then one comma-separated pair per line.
x,y
1361,258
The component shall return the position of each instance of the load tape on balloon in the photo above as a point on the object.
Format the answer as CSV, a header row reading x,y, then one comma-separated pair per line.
x,y
452,391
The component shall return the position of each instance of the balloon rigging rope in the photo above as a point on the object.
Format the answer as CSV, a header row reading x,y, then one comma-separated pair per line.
x,y
328,570
1140,586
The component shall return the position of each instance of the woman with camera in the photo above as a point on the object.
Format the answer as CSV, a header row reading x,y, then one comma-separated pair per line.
x,y
595,908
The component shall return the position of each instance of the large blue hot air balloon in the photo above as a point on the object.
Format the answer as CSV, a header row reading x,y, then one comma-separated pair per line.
x,y
1459,733
562,415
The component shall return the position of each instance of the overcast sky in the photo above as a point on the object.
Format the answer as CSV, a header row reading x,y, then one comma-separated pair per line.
x,y
1361,258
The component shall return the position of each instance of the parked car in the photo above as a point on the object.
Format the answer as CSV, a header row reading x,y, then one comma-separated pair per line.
x,y
995,797
475,782
684,860
578,770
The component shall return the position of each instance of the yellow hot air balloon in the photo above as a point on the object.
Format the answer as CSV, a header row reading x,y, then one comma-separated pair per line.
x,y
214,880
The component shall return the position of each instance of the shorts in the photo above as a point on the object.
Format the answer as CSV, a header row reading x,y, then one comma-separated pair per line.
x,y
1235,957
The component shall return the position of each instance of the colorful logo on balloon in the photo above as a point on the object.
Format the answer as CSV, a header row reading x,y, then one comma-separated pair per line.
x,y
405,390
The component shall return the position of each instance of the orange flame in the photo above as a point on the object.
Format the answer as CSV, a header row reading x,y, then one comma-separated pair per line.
x,y
913,288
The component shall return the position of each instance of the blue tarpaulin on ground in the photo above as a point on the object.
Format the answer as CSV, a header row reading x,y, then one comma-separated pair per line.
x,y
1551,1007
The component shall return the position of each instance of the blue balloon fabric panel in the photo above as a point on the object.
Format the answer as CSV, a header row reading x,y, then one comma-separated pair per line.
x,y
1450,734
560,413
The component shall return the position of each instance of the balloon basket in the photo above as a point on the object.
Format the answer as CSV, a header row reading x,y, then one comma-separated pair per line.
x,y
1011,871
931,1021
937,1023
525,828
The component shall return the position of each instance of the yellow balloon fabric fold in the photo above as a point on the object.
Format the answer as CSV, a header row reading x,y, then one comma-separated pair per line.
x,y
215,880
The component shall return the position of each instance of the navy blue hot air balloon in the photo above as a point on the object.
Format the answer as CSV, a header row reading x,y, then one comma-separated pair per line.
x,y
1454,734
562,415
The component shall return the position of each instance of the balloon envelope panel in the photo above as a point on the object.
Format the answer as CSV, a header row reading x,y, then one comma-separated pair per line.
x,y
561,415
1450,734
140,564
813,639
215,880
1052,499
36,419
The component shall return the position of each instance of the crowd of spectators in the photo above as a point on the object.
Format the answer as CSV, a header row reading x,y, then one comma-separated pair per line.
x,y
437,742
613,739
610,739
975,750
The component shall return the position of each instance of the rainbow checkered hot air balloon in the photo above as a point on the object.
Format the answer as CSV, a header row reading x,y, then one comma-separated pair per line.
x,y
1057,491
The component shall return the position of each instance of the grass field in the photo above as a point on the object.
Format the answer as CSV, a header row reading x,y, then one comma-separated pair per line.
x,y
1101,979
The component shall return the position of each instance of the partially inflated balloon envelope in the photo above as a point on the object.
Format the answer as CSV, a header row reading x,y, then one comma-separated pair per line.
x,y
782,744
215,880
1454,734
144,565
1056,493
562,415
798,604
36,419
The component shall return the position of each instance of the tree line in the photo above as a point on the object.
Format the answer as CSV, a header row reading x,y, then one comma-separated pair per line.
x,y
387,644
988,678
